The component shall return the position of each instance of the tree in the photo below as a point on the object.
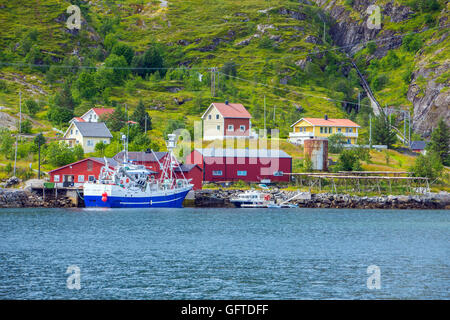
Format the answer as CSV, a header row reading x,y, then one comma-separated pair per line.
x,y
119,66
141,116
371,47
229,68
6,143
39,140
86,85
59,154
25,127
123,50
382,132
428,166
116,120
348,161
100,148
336,143
173,125
31,106
440,142
412,42
149,62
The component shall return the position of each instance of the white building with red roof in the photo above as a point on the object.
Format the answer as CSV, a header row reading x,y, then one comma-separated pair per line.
x,y
93,115
226,120
322,128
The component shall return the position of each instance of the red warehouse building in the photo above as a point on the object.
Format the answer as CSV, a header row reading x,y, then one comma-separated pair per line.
x,y
151,160
251,165
77,173
191,171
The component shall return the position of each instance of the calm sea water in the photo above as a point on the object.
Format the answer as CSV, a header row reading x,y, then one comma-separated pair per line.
x,y
224,253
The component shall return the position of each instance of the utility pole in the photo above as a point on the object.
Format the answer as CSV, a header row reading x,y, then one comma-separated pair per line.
x,y
324,32
20,129
213,81
145,123
359,101
274,110
370,131
264,115
409,125
404,127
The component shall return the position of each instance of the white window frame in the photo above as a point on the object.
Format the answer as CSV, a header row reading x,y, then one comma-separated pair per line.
x,y
90,143
217,173
218,127
230,127
56,178
217,117
209,117
242,128
81,178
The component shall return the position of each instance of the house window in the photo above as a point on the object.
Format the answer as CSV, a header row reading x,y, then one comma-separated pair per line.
x,y
76,131
105,142
278,173
339,130
349,141
218,128
330,130
217,116
242,173
321,129
80,178
90,143
242,128
209,117
230,127
71,131
56,178
90,165
217,172
91,178
77,142
350,130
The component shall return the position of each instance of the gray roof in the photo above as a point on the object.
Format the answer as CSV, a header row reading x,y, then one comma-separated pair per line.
x,y
418,145
111,161
93,129
140,156
244,153
185,167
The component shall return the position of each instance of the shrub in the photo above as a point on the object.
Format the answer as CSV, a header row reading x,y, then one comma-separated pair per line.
x,y
428,166
412,42
31,106
336,143
379,82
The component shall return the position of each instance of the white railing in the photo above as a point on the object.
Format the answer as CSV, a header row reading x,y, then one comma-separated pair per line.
x,y
300,134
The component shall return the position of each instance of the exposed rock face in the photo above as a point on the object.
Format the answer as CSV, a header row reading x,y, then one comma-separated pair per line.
x,y
431,102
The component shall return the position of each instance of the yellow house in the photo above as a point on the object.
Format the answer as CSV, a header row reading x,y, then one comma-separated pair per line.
x,y
87,135
313,128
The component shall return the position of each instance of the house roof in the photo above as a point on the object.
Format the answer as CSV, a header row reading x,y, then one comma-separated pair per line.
x,y
99,111
93,129
111,162
185,167
243,153
230,110
329,122
418,145
78,119
141,156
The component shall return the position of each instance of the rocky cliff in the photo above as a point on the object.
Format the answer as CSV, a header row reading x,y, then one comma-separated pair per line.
x,y
428,90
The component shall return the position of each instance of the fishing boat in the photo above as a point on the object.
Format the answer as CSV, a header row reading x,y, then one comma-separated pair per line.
x,y
134,186
252,199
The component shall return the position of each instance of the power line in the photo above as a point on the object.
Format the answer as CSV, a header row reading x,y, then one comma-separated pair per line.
x,y
295,92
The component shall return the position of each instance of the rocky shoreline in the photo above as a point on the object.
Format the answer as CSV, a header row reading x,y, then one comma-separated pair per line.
x,y
17,198
221,199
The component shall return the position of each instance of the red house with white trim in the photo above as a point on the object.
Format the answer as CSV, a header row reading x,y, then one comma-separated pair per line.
x,y
250,165
226,120
93,115
77,173
191,171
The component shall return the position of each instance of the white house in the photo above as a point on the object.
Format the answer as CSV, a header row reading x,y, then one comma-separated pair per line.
x,y
93,115
87,134
226,120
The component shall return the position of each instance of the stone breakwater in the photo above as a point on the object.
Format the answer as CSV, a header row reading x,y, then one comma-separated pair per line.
x,y
221,199
15,198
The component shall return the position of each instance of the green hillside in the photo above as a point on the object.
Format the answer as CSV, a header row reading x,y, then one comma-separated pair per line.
x,y
163,55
